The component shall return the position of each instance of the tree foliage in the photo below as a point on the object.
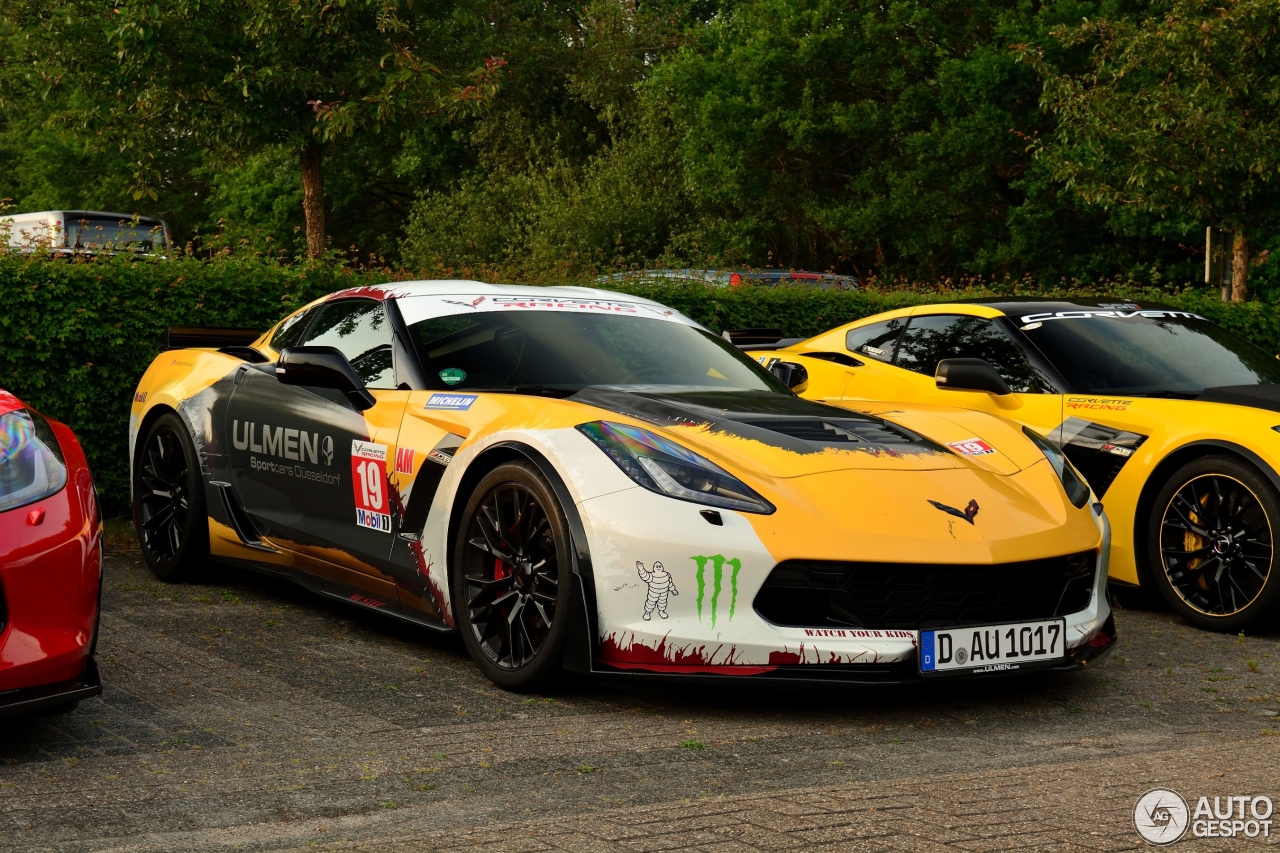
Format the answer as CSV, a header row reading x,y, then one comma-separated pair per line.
x,y
237,76
1175,111
1062,139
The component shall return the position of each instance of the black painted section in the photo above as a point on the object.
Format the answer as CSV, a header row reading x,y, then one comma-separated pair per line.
x,y
427,483
290,457
1097,450
781,420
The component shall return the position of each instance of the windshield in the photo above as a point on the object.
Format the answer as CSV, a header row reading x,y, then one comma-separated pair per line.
x,y
143,235
1174,354
569,350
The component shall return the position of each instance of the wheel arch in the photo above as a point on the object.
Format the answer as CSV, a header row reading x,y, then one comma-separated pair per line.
x,y
578,656
1164,469
153,414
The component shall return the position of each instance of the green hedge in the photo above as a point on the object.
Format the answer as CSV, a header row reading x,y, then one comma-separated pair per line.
x,y
76,336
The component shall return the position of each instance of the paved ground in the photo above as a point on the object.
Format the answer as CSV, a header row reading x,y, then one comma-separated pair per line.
x,y
250,715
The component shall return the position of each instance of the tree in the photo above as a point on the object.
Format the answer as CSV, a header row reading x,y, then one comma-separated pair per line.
x,y
571,167
1176,113
865,135
236,76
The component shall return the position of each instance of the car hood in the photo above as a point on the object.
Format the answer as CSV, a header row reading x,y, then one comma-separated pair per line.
x,y
1254,396
948,517
781,436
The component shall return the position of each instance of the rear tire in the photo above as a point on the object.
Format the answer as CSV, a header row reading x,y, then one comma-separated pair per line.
x,y
168,502
1211,541
511,579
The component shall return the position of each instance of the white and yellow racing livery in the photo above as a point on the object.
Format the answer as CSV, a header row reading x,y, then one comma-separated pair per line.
x,y
578,478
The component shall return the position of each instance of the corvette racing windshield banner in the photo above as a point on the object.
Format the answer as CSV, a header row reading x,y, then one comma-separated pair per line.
x,y
417,308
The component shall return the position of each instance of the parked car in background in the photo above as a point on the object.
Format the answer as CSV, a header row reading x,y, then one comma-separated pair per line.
x,y
1170,418
738,278
84,231
50,565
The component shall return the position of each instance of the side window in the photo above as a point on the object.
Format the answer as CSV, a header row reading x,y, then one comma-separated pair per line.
x,y
359,329
930,339
875,341
290,332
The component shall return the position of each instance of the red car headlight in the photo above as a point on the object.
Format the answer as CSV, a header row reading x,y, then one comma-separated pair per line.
x,y
31,463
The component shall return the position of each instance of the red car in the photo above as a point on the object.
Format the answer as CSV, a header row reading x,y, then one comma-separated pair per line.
x,y
50,564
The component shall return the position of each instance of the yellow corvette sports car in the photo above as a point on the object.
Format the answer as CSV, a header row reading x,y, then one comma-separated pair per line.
x,y
576,478
1174,422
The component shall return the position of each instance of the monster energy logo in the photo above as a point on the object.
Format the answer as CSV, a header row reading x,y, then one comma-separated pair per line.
x,y
718,564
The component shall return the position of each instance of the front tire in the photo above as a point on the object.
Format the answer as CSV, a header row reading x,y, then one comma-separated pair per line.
x,y
168,502
511,579
1211,538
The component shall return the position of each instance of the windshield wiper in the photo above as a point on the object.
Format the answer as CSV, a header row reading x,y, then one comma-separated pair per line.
x,y
1167,395
532,390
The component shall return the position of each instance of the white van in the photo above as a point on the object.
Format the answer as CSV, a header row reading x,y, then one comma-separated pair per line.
x,y
84,231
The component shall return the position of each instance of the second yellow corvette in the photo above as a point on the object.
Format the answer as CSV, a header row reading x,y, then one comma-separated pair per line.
x,y
1174,422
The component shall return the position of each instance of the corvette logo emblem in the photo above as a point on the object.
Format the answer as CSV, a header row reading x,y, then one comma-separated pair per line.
x,y
967,513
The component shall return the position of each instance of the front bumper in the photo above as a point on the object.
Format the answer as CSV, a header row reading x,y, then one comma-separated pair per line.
x,y
903,672
29,700
674,596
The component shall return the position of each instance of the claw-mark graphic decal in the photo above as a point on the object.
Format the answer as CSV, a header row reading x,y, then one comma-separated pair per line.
x,y
966,514
718,564
660,584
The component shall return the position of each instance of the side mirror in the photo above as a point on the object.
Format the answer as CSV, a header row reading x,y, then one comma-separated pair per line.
x,y
789,373
970,374
323,367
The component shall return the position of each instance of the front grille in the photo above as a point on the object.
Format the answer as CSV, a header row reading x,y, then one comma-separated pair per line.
x,y
911,596
837,431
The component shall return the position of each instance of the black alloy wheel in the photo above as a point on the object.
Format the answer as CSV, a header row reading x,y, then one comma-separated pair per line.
x,y
1212,543
168,501
511,578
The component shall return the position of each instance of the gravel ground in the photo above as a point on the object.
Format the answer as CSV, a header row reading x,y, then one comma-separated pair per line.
x,y
248,714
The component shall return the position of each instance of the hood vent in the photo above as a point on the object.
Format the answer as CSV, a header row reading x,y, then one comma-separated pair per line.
x,y
782,420
837,432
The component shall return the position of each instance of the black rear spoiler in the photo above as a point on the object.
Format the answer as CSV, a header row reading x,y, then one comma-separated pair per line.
x,y
758,339
193,337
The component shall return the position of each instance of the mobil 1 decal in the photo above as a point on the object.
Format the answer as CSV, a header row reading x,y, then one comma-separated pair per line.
x,y
369,483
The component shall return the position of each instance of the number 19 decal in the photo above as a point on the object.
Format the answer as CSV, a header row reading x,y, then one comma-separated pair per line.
x,y
369,481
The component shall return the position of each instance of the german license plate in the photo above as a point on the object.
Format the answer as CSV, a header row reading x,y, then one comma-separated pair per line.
x,y
992,648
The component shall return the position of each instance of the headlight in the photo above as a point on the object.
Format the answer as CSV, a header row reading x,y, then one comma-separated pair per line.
x,y
667,468
31,466
1077,488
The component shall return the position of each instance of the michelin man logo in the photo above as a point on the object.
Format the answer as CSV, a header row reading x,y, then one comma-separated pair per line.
x,y
660,584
